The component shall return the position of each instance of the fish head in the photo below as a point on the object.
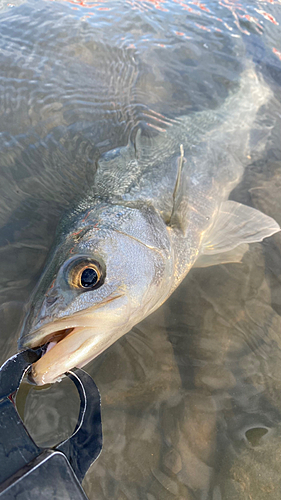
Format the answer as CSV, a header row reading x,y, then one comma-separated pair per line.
x,y
108,271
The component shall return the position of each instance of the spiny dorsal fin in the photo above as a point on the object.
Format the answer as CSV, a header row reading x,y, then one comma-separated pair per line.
x,y
179,194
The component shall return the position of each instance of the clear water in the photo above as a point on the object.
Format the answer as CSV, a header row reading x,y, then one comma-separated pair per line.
x,y
191,398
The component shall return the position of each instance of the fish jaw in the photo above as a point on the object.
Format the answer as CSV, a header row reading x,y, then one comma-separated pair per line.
x,y
77,348
77,340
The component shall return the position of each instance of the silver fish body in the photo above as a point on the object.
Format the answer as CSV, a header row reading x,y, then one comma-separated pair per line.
x,y
157,207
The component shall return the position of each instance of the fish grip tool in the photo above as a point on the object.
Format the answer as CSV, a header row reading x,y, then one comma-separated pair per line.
x,y
30,472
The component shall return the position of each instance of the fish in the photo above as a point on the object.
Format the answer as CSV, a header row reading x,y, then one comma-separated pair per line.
x,y
157,207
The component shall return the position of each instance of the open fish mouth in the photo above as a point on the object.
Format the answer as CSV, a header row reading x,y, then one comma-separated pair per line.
x,y
72,341
48,343
47,335
64,349
55,331
54,338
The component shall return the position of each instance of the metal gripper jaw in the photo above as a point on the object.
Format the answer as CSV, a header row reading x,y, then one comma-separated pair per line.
x,y
29,472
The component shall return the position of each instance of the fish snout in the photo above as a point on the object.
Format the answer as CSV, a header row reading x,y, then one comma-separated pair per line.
x,y
51,302
37,318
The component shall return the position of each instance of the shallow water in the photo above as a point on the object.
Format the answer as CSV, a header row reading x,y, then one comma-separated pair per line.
x,y
191,398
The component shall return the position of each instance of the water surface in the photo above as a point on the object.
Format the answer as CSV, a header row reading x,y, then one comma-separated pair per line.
x,y
191,403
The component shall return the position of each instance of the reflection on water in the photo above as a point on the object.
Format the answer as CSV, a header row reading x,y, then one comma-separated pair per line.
x,y
191,398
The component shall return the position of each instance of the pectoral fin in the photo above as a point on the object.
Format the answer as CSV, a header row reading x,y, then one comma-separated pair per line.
x,y
237,224
232,256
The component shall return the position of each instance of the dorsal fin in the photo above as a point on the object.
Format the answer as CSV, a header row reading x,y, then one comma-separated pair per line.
x,y
180,202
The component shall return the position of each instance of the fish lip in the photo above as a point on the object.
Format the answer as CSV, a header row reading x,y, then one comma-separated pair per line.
x,y
34,339
56,336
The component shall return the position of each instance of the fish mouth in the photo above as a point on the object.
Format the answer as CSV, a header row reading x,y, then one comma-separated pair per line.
x,y
55,331
72,341
64,349
70,347
47,335
54,338
48,343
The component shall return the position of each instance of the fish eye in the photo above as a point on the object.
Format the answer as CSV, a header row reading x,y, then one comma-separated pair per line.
x,y
86,275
